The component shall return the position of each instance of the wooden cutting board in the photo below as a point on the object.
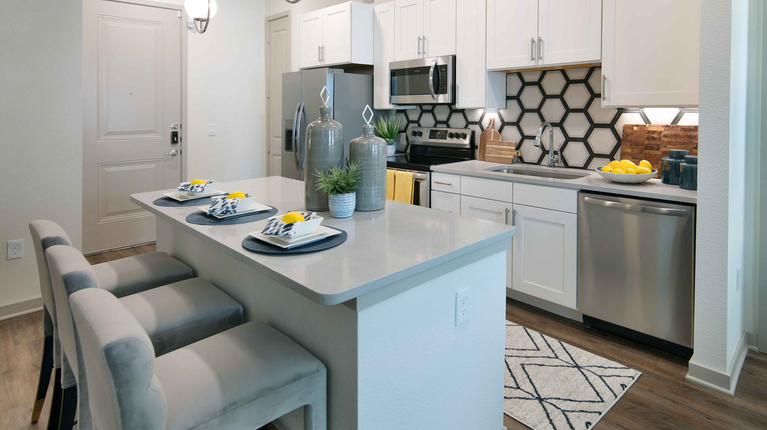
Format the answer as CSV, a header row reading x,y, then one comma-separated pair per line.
x,y
652,142
500,151
489,134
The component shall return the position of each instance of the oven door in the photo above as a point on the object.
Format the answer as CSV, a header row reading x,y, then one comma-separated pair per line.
x,y
423,81
421,187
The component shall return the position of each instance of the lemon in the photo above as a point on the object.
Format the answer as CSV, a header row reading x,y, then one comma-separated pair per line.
x,y
619,171
614,165
631,171
646,164
627,164
236,195
607,169
198,182
292,217
641,170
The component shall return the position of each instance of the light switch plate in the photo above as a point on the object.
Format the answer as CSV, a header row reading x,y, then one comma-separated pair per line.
x,y
462,306
15,249
211,129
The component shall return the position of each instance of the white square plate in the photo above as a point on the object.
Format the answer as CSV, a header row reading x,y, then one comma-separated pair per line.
x,y
254,207
322,232
182,196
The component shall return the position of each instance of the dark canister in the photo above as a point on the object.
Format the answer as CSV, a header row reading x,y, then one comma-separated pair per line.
x,y
671,166
688,173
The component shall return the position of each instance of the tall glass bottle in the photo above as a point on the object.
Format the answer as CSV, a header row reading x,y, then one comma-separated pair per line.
x,y
370,152
324,149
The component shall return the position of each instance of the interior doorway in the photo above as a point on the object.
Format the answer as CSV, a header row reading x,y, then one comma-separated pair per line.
x,y
277,63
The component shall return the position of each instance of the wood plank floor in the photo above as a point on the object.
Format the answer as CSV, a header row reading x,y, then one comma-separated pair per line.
x,y
660,399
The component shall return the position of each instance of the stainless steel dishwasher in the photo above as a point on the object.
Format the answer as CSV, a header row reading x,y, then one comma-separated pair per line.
x,y
636,265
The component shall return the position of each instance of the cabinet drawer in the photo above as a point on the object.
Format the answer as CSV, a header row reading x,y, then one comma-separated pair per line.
x,y
557,199
446,183
446,202
490,210
486,188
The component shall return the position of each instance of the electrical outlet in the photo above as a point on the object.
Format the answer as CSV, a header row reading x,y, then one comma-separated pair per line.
x,y
462,306
211,129
15,249
739,279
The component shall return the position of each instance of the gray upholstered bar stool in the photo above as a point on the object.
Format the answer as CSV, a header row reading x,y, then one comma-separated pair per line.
x,y
121,277
173,316
242,378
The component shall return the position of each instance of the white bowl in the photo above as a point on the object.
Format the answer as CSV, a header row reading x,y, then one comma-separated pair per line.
x,y
626,178
303,228
244,204
209,188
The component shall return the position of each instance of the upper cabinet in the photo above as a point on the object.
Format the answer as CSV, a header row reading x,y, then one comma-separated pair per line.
x,y
424,28
651,53
536,33
384,54
341,34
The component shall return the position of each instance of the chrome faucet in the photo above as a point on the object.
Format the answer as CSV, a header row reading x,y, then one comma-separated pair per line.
x,y
553,155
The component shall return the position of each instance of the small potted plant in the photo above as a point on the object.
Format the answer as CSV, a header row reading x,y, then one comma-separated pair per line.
x,y
388,129
340,184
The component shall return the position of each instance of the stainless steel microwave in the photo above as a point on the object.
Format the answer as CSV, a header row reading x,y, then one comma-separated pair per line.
x,y
423,81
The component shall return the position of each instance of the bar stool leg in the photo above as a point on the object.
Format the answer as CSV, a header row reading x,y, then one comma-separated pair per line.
x,y
46,367
68,408
55,416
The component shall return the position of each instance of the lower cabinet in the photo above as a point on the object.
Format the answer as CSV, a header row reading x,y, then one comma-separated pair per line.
x,y
490,210
446,202
545,254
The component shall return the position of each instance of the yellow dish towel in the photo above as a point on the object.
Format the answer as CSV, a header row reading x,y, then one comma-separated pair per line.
x,y
403,187
390,184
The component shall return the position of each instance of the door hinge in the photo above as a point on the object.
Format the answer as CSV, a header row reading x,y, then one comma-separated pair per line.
x,y
179,13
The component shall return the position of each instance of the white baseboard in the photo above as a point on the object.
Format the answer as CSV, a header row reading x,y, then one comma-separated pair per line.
x,y
543,304
752,341
21,308
723,382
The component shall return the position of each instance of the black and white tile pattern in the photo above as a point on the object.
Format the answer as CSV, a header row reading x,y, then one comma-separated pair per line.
x,y
587,134
550,385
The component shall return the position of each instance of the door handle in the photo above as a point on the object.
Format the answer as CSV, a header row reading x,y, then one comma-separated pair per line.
x,y
604,88
174,126
532,49
172,153
540,49
514,217
506,213
319,53
295,143
450,184
300,149
431,79
424,46
419,45
635,208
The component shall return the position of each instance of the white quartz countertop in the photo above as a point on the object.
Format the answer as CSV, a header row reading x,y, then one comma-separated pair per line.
x,y
652,189
382,247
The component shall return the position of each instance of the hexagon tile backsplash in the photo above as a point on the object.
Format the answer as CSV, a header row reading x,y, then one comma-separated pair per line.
x,y
587,134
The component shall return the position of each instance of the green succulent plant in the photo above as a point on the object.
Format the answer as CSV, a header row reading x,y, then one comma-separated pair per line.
x,y
388,128
339,180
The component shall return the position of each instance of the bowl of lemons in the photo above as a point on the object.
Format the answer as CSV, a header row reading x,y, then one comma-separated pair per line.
x,y
302,225
626,172
244,201
208,187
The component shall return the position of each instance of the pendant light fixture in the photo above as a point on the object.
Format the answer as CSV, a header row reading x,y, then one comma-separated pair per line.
x,y
201,11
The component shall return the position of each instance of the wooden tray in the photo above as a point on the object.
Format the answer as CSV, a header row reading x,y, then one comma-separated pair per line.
x,y
652,142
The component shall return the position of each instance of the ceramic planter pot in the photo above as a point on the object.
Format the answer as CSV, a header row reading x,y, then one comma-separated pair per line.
x,y
391,147
369,152
342,205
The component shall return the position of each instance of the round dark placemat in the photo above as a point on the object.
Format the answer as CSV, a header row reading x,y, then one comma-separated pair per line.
x,y
201,218
255,245
170,203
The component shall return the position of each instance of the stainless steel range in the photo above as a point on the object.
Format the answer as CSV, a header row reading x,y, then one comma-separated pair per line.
x,y
431,147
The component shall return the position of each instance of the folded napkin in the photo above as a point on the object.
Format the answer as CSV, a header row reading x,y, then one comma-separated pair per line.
x,y
196,188
275,226
223,206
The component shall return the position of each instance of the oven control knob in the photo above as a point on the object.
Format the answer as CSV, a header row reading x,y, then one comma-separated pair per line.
x,y
413,133
451,135
420,133
463,135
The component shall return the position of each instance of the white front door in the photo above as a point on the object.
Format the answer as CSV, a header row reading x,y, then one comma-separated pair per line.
x,y
131,99
278,60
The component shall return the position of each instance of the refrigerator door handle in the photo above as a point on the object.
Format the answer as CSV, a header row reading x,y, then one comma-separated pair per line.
x,y
300,151
295,147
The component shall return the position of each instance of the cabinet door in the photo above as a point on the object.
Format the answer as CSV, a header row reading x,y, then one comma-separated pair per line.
x,y
439,28
408,29
545,255
446,202
310,39
668,77
495,211
570,31
337,34
512,33
384,53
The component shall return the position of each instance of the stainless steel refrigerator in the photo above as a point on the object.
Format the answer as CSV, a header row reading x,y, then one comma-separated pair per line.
x,y
301,102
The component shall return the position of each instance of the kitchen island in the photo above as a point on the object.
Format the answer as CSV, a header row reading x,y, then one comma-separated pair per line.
x,y
380,310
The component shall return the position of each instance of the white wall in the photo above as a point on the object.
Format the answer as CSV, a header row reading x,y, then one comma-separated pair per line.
x,y
40,146
723,79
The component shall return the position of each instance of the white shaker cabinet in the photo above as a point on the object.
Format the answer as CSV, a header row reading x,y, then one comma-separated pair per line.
x,y
491,210
424,28
476,88
650,68
512,33
384,54
446,202
340,34
545,254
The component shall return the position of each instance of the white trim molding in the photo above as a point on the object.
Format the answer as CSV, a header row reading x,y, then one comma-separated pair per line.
x,y
724,383
21,308
752,341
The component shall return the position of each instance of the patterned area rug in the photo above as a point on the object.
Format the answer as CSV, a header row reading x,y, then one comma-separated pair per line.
x,y
551,385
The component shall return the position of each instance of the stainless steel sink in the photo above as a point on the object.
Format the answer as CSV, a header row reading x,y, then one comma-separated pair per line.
x,y
545,172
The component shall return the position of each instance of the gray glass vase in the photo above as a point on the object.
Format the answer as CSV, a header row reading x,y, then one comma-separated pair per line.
x,y
324,149
370,152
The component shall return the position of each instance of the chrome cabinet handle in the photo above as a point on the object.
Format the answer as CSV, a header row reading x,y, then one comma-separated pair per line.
x,y
172,153
323,53
514,217
449,184
300,150
635,208
319,53
419,45
431,79
295,142
604,88
424,46
532,49
540,49
506,213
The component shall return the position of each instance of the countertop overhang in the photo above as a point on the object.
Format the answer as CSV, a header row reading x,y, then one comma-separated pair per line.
x,y
383,247
652,189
